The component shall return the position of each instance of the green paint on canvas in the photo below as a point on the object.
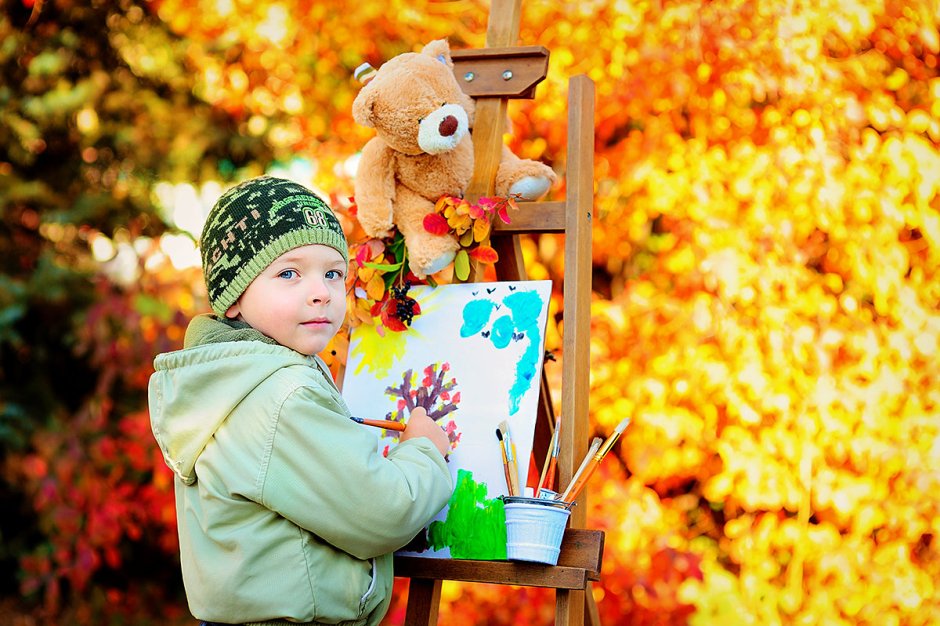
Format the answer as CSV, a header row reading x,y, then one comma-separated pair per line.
x,y
475,527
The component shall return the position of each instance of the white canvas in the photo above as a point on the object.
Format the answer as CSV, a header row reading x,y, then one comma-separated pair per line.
x,y
491,338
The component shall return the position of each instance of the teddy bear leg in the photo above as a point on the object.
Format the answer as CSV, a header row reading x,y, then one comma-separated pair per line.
x,y
529,187
523,178
427,253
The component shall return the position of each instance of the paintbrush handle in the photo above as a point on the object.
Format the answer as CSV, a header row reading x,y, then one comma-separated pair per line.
x,y
544,475
514,470
386,424
572,493
550,478
590,464
549,466
595,446
507,470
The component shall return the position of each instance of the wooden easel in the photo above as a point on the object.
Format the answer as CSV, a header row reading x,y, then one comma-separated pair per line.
x,y
483,74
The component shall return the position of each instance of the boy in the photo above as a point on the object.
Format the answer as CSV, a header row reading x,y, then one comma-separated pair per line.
x,y
286,511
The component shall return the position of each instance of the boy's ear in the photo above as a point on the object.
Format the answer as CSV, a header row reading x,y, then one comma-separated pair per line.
x,y
233,311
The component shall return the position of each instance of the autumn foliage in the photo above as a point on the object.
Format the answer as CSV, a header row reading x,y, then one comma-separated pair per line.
x,y
766,284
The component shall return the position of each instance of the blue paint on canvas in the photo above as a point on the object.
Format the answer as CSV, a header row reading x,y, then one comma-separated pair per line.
x,y
520,323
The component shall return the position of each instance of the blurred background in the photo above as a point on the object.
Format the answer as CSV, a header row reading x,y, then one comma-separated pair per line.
x,y
766,295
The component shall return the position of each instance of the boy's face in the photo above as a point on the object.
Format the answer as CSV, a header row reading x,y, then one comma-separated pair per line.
x,y
299,300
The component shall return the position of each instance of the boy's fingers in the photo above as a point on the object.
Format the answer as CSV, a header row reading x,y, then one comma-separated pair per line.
x,y
418,409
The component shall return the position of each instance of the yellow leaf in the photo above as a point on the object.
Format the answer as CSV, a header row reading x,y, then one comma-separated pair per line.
x,y
460,223
481,229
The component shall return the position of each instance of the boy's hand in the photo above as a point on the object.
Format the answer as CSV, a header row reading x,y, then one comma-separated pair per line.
x,y
420,425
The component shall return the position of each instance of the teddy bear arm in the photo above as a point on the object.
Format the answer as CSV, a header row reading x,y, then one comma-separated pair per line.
x,y
374,188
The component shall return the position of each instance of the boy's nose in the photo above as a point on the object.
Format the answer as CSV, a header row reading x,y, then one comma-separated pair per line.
x,y
319,291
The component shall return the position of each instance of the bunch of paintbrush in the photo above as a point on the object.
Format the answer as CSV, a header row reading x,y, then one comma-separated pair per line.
x,y
510,464
592,460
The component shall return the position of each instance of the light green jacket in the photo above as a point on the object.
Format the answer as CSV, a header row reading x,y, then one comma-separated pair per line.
x,y
285,507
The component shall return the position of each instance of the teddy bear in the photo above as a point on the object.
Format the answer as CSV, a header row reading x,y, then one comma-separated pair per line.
x,y
423,150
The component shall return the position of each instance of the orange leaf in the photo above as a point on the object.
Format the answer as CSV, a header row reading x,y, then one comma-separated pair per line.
x,y
443,202
375,289
484,254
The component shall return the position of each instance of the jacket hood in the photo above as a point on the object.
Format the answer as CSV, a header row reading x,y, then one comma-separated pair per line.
x,y
192,391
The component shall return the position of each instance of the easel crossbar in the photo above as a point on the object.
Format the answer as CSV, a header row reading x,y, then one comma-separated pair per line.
x,y
578,562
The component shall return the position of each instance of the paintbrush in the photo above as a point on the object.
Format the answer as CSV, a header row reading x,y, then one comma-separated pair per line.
x,y
503,452
594,447
502,432
513,458
547,479
386,424
584,473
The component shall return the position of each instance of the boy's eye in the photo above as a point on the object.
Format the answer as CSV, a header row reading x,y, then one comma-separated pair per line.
x,y
333,274
288,274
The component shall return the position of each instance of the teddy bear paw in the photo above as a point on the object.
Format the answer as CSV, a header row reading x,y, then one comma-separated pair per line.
x,y
530,187
423,269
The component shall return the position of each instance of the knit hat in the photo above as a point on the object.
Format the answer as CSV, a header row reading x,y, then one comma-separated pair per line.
x,y
255,222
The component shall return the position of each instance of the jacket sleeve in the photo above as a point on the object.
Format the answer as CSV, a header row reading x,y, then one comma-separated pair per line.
x,y
325,473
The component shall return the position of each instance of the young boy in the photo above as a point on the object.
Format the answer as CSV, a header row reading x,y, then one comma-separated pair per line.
x,y
287,513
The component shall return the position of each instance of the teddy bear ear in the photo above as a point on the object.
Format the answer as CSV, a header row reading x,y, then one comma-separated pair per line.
x,y
440,50
363,105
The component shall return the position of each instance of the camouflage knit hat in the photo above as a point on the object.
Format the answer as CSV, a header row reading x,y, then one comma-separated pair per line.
x,y
255,222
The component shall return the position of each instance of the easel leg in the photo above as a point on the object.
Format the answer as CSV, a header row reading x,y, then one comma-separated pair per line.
x,y
569,608
424,598
591,615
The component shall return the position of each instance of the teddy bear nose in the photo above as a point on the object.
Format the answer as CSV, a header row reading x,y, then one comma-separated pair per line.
x,y
448,126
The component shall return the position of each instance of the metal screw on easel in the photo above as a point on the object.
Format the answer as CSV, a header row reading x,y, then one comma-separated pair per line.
x,y
507,75
469,76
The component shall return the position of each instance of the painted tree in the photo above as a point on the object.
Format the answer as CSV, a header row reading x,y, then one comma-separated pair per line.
x,y
435,391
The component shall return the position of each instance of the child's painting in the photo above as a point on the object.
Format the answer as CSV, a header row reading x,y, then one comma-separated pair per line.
x,y
473,359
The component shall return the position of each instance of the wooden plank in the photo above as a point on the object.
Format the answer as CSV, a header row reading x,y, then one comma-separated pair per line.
x,y
534,218
493,572
510,72
471,54
579,561
510,265
591,615
576,364
487,146
502,30
569,608
424,600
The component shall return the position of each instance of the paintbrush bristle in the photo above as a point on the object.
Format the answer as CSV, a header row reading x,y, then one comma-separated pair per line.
x,y
499,434
504,426
622,425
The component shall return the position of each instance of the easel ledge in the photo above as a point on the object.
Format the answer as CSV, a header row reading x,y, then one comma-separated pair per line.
x,y
578,562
